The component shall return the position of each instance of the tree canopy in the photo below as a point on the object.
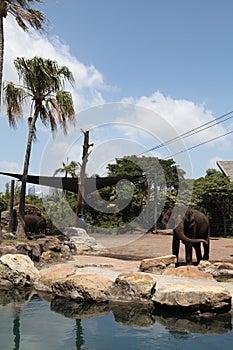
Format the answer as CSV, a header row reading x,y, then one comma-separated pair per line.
x,y
213,194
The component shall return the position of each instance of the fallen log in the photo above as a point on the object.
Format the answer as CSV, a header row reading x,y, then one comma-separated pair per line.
x,y
163,232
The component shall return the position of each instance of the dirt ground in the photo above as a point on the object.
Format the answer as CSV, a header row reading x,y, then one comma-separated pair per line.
x,y
141,246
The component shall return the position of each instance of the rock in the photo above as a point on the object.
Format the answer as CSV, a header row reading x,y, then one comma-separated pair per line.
x,y
188,271
82,241
50,243
132,287
46,255
89,287
157,265
31,249
221,271
35,252
48,248
53,248
5,284
66,251
194,296
8,249
18,269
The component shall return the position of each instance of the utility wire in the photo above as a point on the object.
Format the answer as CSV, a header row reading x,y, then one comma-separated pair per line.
x,y
201,144
194,131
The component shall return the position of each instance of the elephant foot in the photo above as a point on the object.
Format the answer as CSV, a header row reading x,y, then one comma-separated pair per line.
x,y
205,257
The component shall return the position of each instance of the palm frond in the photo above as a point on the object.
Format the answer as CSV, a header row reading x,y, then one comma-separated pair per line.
x,y
65,110
66,74
43,113
51,105
25,15
42,76
14,98
57,171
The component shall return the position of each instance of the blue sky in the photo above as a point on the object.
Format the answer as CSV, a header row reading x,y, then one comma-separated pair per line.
x,y
170,60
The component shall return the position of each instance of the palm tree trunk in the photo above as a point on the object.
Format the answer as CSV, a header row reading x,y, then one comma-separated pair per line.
x,y
31,134
1,55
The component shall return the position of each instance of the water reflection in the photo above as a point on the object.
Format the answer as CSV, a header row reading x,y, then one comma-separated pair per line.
x,y
140,315
16,328
65,324
15,299
188,324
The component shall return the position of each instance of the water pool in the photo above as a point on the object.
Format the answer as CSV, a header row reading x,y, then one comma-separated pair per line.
x,y
30,322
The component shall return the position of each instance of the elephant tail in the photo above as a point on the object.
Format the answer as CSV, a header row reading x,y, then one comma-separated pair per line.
x,y
184,238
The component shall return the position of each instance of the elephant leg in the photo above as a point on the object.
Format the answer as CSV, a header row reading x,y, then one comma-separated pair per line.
x,y
188,253
176,248
197,248
206,251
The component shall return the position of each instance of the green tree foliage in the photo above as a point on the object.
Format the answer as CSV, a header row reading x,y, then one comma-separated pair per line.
x,y
58,209
4,202
168,178
213,194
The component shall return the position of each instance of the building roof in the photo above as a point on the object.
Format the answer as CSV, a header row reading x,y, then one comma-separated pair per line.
x,y
226,166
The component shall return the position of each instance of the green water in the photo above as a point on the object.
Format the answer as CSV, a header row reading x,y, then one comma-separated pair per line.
x,y
28,322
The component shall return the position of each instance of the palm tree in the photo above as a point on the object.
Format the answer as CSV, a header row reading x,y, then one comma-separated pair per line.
x,y
68,169
25,15
43,82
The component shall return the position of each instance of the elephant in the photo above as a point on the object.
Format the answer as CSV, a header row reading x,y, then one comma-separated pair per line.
x,y
192,228
35,224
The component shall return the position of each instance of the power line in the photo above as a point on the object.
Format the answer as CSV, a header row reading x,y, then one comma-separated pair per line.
x,y
201,144
194,131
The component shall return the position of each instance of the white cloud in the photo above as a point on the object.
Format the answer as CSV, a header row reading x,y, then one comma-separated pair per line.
x,y
182,115
89,81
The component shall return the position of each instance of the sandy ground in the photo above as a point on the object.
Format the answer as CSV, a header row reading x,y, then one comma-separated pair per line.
x,y
140,246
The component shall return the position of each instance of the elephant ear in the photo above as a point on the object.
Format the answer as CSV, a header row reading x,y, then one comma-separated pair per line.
x,y
190,217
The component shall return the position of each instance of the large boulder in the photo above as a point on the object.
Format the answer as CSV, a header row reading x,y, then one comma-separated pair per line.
x,y
97,287
133,287
90,287
83,242
194,296
157,265
18,269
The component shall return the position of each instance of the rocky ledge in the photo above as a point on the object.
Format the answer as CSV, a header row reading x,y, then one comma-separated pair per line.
x,y
185,287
